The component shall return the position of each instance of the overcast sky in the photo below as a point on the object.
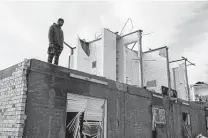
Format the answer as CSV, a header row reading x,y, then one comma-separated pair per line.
x,y
182,26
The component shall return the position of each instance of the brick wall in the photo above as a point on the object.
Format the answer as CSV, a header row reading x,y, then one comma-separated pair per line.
x,y
129,112
13,87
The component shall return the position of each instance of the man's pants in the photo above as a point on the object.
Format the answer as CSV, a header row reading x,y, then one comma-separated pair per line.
x,y
54,51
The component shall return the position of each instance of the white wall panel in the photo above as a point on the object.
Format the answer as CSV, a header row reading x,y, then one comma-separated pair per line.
x,y
109,65
155,68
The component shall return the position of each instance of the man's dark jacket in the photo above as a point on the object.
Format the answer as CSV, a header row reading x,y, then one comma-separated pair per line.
x,y
56,35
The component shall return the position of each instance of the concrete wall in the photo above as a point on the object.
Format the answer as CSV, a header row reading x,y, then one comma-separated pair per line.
x,y
82,60
96,50
178,80
155,68
132,68
13,88
122,58
109,55
102,51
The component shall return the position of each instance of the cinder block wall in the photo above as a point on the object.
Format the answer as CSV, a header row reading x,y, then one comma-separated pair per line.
x,y
13,87
128,109
129,112
174,123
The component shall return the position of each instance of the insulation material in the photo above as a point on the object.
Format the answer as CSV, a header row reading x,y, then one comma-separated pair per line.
x,y
132,67
155,70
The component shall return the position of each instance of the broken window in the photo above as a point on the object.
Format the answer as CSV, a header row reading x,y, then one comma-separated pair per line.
x,y
158,115
85,47
94,64
151,83
207,121
186,118
85,117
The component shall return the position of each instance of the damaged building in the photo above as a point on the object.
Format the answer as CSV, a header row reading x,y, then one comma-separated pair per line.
x,y
109,90
114,57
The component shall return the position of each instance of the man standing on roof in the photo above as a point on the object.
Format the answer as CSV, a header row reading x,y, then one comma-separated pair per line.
x,y
56,40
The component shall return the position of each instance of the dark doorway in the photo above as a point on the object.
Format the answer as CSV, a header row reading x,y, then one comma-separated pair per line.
x,y
70,116
186,118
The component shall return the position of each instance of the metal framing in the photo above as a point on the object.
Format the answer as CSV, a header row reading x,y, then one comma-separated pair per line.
x,y
141,56
129,33
155,49
94,40
168,70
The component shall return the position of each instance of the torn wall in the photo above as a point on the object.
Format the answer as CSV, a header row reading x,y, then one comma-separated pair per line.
x,y
128,61
178,80
97,57
155,69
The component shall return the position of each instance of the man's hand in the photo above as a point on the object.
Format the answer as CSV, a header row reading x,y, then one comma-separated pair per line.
x,y
51,45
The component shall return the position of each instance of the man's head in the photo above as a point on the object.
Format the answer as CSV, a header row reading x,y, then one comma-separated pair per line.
x,y
60,22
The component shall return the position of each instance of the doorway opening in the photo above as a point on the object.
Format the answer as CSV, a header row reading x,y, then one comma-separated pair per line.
x,y
86,117
186,118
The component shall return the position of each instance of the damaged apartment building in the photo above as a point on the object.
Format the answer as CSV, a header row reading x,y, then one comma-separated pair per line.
x,y
113,56
109,90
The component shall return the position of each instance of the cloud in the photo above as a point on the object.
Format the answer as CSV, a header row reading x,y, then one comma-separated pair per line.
x,y
25,26
191,30
12,25
191,39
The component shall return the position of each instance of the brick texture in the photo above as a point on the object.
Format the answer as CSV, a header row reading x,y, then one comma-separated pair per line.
x,y
13,87
129,108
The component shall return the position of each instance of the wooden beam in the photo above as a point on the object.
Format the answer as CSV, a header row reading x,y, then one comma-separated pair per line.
x,y
155,49
176,60
69,46
129,33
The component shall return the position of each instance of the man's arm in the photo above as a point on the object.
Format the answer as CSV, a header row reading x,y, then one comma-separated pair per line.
x,y
72,48
50,35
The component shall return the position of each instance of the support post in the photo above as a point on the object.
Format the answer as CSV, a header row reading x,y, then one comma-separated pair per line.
x,y
140,55
168,71
187,84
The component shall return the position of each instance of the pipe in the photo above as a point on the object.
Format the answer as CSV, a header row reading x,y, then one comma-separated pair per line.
x,y
133,45
155,49
168,71
187,84
140,55
176,60
129,34
188,61
69,46
125,25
